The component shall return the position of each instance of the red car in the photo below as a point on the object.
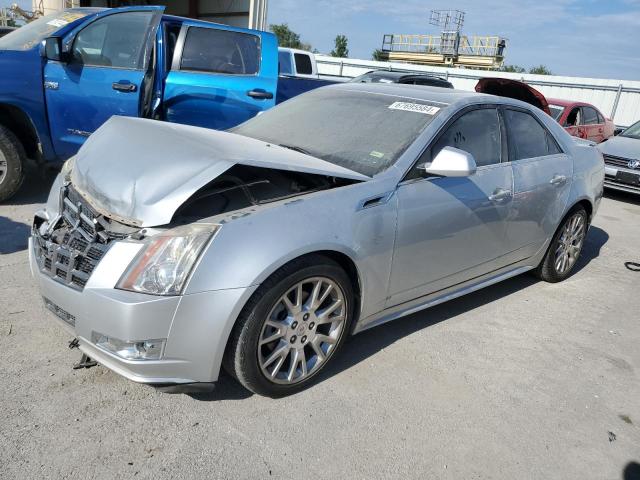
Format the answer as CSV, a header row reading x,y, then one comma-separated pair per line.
x,y
579,119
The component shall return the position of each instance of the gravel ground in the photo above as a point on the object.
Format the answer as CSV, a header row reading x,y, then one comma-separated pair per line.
x,y
520,380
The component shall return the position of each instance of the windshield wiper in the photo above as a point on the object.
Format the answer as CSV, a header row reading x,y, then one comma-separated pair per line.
x,y
295,148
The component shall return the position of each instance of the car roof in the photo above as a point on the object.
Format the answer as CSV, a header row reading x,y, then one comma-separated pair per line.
x,y
445,96
568,103
397,75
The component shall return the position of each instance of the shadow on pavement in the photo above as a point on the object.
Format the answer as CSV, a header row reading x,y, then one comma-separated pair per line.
x,y
621,196
596,238
35,188
631,471
14,236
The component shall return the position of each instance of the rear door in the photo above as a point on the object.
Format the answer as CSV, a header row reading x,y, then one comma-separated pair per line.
x,y
109,72
221,76
542,175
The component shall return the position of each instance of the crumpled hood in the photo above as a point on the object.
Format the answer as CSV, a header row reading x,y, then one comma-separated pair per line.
x,y
625,147
141,171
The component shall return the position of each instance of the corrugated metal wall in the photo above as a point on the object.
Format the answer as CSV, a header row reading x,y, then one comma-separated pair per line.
x,y
618,99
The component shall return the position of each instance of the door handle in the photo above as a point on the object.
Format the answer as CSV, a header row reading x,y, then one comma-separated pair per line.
x,y
260,94
124,87
499,194
558,180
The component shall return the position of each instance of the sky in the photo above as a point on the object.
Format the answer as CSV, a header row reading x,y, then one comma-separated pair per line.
x,y
583,38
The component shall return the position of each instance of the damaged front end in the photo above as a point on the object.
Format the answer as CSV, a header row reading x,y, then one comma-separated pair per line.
x,y
69,246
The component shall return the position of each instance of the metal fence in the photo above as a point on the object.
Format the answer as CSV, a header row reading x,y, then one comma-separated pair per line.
x,y
617,99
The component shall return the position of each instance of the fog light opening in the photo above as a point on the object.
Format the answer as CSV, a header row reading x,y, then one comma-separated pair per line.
x,y
129,350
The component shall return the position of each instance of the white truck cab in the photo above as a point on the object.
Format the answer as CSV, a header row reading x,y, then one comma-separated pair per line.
x,y
297,63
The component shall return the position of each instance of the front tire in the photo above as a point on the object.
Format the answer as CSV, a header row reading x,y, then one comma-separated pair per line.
x,y
12,159
291,327
565,248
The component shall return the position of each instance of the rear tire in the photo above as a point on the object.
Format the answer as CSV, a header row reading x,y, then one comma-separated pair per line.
x,y
565,248
12,160
288,308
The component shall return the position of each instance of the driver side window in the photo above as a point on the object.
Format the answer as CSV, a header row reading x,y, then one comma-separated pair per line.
x,y
476,132
117,41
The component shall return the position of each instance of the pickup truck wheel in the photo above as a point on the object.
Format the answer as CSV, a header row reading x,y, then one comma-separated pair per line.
x,y
291,327
565,248
12,158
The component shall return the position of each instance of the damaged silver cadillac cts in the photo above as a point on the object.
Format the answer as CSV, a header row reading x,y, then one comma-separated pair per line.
x,y
171,251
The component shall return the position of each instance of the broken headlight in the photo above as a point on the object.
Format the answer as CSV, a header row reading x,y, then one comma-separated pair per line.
x,y
163,265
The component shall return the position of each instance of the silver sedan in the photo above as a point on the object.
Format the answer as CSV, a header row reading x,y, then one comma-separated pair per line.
x,y
171,251
622,160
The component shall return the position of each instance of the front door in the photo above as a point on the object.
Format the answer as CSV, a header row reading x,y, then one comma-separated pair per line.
x,y
594,128
221,76
453,229
542,181
575,124
108,73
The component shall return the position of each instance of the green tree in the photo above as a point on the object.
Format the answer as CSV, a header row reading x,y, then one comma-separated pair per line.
x,y
341,48
512,69
540,70
288,38
377,55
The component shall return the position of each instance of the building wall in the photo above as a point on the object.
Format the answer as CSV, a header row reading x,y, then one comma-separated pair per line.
x,y
52,6
617,99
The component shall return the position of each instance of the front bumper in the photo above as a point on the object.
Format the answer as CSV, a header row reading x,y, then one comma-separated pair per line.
x,y
623,179
195,326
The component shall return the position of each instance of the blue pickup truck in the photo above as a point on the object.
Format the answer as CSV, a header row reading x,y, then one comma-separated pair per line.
x,y
64,75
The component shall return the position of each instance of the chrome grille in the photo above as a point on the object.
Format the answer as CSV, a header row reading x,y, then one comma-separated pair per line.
x,y
616,161
72,249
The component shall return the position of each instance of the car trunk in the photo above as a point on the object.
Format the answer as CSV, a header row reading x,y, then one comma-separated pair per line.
x,y
505,87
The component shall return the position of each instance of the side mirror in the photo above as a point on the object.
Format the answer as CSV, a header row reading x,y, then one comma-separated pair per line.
x,y
452,162
53,49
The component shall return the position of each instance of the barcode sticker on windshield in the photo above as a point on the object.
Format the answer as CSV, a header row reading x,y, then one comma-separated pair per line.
x,y
414,107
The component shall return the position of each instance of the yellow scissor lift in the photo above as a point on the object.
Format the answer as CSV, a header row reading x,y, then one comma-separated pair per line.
x,y
449,49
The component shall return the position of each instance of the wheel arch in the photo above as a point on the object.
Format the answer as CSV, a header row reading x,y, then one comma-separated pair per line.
x,y
21,125
344,259
586,204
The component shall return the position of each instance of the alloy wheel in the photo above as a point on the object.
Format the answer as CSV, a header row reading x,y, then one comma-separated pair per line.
x,y
3,167
302,330
570,243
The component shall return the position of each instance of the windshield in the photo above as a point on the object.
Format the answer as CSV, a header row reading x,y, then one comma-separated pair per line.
x,y
361,131
556,111
633,131
27,37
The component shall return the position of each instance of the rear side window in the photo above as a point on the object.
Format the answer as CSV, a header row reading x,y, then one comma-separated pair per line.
x,y
589,116
476,132
284,62
118,41
600,117
303,64
221,51
527,137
